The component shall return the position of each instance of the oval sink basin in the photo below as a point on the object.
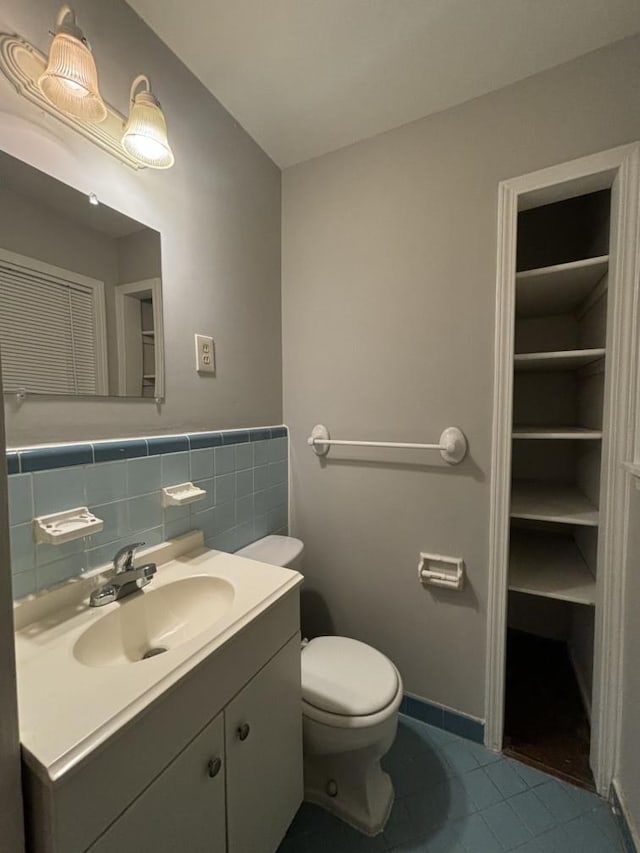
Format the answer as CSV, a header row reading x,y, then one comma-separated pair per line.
x,y
148,623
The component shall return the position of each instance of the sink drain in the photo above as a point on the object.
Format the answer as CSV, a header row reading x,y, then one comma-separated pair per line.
x,y
158,650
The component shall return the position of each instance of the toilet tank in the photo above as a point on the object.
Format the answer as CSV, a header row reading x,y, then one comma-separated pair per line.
x,y
276,550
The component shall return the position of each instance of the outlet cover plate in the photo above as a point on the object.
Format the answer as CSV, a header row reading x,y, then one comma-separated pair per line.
x,y
205,354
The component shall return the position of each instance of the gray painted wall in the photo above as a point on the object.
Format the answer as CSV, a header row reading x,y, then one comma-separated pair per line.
x,y
388,315
629,769
218,211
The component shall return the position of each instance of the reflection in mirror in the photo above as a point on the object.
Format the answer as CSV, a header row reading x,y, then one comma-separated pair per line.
x,y
80,292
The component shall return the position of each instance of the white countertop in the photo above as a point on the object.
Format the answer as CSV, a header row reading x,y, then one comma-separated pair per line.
x,y
67,708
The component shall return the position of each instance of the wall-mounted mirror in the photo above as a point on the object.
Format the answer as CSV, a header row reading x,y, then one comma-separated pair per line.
x,y
80,292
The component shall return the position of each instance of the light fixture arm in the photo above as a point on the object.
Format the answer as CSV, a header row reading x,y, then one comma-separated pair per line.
x,y
145,95
141,78
71,27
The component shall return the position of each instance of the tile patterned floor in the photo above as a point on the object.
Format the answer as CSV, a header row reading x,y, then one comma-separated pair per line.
x,y
453,796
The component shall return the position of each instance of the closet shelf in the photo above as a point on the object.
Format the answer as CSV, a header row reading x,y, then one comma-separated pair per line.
x,y
558,289
565,360
553,433
556,502
549,565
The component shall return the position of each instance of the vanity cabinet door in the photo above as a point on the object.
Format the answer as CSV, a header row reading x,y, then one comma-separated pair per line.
x,y
182,809
263,733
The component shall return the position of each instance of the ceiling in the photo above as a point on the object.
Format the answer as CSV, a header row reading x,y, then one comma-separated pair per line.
x,y
304,77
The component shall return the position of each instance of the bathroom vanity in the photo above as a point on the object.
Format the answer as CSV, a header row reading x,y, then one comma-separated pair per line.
x,y
198,748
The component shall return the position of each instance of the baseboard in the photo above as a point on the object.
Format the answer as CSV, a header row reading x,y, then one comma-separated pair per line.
x,y
443,718
627,830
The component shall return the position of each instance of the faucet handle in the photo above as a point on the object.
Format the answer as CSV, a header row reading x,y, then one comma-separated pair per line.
x,y
123,560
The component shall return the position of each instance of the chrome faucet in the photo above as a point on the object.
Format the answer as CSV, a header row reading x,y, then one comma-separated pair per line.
x,y
125,578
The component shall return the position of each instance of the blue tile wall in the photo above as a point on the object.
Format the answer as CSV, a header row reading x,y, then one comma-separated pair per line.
x,y
244,472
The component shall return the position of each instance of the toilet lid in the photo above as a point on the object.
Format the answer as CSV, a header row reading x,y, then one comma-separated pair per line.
x,y
275,550
347,677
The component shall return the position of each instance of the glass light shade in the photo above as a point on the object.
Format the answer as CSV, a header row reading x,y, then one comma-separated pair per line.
x,y
145,134
70,80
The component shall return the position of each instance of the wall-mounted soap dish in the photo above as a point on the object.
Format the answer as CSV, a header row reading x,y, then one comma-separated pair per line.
x,y
438,570
181,494
61,527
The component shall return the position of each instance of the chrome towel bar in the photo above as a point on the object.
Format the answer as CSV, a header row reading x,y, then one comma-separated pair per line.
x,y
452,444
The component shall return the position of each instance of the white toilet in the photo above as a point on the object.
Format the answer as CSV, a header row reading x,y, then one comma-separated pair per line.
x,y
350,699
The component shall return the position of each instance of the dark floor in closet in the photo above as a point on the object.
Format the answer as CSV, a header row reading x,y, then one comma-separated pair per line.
x,y
546,724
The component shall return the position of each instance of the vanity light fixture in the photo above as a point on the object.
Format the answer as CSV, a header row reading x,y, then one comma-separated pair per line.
x,y
145,134
70,80
65,85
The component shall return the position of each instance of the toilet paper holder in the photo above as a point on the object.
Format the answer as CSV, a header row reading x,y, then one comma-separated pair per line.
x,y
442,571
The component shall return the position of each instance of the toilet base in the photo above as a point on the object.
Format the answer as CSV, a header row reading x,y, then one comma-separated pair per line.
x,y
363,795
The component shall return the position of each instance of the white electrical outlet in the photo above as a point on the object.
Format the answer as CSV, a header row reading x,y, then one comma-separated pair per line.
x,y
205,356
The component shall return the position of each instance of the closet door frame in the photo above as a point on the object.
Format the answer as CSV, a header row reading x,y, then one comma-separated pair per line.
x,y
619,170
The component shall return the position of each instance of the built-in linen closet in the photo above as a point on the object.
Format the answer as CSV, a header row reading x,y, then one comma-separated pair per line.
x,y
560,353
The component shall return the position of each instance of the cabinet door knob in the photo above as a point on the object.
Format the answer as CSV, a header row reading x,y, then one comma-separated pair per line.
x,y
214,767
243,731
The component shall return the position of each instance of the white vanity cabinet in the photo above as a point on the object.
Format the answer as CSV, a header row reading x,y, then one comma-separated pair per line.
x,y
238,783
213,765
263,737
183,809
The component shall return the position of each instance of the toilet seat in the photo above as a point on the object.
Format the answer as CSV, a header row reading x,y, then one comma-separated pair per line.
x,y
348,684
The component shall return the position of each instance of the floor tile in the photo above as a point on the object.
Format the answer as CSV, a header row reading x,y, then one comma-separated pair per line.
x,y
480,788
459,756
505,778
422,845
529,847
557,799
454,796
400,827
555,841
294,844
444,839
476,837
585,800
606,821
506,825
422,774
483,755
529,775
532,812
588,838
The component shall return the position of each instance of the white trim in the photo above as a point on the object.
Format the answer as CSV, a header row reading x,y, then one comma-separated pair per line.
x,y
501,466
99,312
619,169
122,290
620,414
